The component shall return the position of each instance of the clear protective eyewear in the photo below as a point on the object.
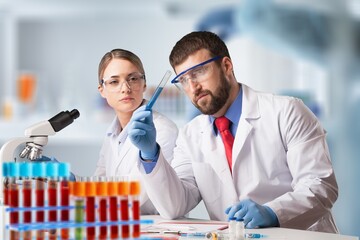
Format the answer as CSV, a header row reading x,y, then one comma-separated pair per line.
x,y
133,81
196,74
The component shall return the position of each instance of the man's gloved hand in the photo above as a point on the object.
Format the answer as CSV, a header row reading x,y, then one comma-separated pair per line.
x,y
142,133
72,177
253,214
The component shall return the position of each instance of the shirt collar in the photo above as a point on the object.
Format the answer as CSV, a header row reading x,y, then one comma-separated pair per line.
x,y
233,113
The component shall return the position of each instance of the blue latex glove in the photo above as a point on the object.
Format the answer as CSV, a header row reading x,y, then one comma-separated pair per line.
x,y
72,177
142,133
253,214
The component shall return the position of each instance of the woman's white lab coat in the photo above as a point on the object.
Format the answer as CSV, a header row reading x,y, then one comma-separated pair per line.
x,y
113,162
280,159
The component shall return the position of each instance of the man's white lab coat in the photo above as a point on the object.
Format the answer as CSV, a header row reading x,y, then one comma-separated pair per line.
x,y
280,159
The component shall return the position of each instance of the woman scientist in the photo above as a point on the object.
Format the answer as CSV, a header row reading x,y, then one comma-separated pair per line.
x,y
122,83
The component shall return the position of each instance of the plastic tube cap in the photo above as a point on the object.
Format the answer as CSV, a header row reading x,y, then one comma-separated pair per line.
x,y
39,169
26,169
52,169
14,169
64,170
5,169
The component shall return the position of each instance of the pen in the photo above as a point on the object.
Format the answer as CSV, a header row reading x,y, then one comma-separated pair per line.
x,y
254,235
194,235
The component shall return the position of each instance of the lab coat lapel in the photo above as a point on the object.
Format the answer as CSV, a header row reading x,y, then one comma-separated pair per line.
x,y
217,158
120,158
250,110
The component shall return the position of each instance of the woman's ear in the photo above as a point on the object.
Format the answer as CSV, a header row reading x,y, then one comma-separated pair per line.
x,y
101,91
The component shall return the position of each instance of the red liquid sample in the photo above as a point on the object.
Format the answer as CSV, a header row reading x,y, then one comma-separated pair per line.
x,y
114,230
39,202
102,217
136,217
27,200
52,202
124,213
6,195
27,203
14,216
90,217
64,201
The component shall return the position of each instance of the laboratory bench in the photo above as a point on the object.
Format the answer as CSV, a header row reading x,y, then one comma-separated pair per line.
x,y
267,233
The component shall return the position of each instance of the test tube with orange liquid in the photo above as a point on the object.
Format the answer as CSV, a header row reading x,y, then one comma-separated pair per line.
x,y
90,193
135,206
123,191
102,193
113,206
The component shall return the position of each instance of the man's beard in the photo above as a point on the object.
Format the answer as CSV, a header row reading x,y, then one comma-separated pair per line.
x,y
217,99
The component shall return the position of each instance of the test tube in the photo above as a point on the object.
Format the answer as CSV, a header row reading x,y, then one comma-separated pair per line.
x,y
232,227
64,173
90,193
123,191
102,193
134,193
26,173
14,173
113,209
52,174
39,172
6,193
240,229
79,194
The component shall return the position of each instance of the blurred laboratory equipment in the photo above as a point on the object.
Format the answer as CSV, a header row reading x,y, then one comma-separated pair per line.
x,y
327,35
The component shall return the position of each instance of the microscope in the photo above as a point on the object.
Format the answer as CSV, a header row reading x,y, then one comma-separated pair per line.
x,y
36,137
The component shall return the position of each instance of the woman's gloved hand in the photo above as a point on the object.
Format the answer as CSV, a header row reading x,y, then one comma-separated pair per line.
x,y
254,215
142,133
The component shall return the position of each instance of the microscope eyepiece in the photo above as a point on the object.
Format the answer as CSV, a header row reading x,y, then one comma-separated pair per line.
x,y
63,119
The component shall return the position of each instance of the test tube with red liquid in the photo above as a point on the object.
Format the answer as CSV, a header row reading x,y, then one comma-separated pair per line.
x,y
52,174
135,206
123,191
39,172
26,174
14,173
90,193
64,174
113,206
102,193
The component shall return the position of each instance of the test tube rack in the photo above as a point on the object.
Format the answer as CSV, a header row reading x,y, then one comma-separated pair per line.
x,y
71,214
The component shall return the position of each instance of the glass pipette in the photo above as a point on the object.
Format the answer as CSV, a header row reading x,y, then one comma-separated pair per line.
x,y
158,90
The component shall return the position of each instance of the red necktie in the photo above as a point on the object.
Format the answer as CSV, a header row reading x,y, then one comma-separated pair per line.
x,y
222,124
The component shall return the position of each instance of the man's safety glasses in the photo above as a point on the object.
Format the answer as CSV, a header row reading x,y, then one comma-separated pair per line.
x,y
133,81
196,74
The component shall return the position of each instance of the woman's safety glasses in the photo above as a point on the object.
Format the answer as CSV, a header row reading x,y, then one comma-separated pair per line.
x,y
133,81
196,74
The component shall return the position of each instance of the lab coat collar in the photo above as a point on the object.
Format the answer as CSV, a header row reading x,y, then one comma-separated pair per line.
x,y
250,111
